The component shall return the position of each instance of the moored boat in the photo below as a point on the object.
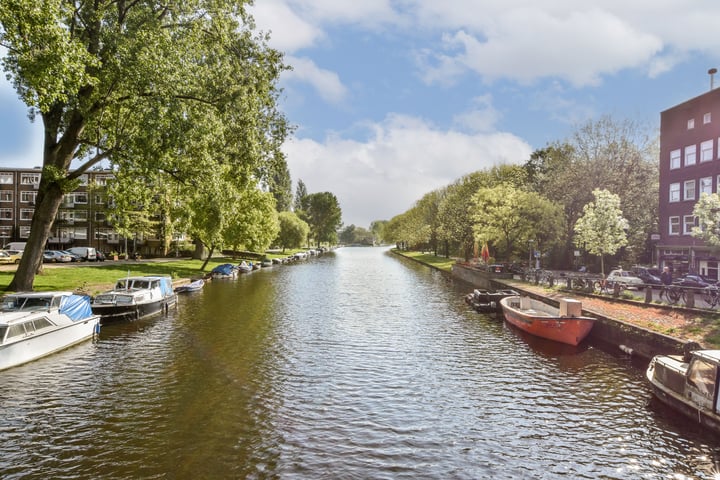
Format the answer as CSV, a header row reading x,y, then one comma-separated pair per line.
x,y
565,324
244,267
135,297
689,384
36,324
225,270
193,286
484,300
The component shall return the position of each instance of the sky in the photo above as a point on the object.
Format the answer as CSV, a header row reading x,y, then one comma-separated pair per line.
x,y
391,99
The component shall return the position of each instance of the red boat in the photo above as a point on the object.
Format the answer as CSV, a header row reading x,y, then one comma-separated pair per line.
x,y
565,324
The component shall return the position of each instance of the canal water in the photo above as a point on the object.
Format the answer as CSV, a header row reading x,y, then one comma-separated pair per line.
x,y
353,365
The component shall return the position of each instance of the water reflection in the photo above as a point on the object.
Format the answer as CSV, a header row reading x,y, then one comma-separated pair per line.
x,y
350,365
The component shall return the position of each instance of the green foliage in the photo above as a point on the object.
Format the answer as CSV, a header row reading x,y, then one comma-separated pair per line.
x,y
509,218
707,211
324,217
167,95
293,231
602,228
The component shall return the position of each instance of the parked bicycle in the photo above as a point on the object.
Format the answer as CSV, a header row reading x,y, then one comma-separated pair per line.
x,y
608,287
673,294
711,295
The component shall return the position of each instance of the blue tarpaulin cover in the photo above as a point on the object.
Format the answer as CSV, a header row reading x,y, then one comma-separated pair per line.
x,y
224,269
166,286
77,307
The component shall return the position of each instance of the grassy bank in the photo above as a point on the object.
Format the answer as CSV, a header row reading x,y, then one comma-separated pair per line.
x,y
94,278
441,263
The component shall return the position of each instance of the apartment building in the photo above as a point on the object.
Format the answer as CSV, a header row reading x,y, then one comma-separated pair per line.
x,y
689,166
80,221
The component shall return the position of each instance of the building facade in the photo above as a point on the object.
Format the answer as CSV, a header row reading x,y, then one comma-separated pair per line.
x,y
689,167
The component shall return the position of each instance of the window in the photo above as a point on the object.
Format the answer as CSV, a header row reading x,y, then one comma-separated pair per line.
x,y
6,178
81,197
6,196
691,124
674,192
6,214
100,216
26,213
99,199
675,159
689,190
83,179
28,197
706,185
690,153
80,215
29,178
707,118
688,224
24,231
80,233
674,224
706,151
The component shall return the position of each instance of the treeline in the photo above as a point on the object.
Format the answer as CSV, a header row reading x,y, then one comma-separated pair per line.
x,y
534,207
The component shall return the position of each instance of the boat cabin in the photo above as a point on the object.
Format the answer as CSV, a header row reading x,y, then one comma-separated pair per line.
x,y
30,302
696,380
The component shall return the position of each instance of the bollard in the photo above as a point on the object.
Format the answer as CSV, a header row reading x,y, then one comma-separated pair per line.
x,y
569,283
690,298
648,294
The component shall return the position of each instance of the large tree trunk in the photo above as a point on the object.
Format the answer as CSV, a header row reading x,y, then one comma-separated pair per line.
x,y
47,204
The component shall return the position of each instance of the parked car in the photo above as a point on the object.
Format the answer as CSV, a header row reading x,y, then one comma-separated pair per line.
x,y
74,257
55,256
85,253
99,256
625,277
691,280
5,257
15,255
647,277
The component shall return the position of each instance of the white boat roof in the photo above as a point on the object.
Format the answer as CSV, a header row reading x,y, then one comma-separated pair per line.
x,y
39,294
709,355
8,318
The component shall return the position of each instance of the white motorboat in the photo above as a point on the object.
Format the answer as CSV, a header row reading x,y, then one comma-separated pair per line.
x,y
36,324
135,297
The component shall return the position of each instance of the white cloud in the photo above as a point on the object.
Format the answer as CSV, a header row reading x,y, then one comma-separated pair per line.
x,y
326,83
528,44
289,32
482,118
402,159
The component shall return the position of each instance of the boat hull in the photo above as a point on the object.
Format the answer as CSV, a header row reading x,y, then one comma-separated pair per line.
x,y
44,344
113,312
564,329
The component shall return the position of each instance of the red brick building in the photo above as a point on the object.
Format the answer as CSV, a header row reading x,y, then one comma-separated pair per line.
x,y
689,166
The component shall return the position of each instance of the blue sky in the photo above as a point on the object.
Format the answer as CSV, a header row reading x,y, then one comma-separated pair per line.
x,y
394,98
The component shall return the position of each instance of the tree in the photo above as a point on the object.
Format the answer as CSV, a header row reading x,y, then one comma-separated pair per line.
x,y
617,155
293,231
707,211
324,217
377,227
509,218
146,87
300,204
253,223
601,230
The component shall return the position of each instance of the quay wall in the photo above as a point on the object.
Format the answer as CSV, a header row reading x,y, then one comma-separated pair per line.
x,y
625,336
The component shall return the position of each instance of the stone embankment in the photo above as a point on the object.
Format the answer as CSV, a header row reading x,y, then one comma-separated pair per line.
x,y
631,326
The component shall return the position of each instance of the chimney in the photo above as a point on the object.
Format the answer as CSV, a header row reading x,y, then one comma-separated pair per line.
x,y
712,73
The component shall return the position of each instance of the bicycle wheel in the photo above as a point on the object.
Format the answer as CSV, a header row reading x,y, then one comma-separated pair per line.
x,y
674,294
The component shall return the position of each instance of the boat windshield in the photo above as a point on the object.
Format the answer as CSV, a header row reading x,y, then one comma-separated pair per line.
x,y
16,304
701,374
